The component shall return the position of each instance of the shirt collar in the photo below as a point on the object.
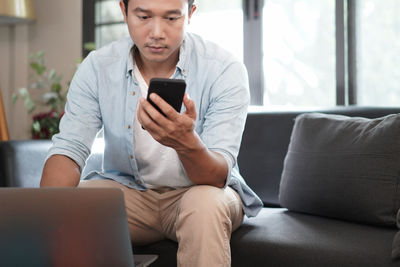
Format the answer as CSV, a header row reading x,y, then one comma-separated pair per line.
x,y
130,63
184,53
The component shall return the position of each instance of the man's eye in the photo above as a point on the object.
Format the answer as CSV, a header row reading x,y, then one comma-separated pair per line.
x,y
172,18
143,17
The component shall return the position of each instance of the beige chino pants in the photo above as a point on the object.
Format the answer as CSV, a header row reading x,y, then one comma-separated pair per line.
x,y
200,218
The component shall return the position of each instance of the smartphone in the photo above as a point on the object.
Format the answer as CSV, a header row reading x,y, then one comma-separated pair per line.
x,y
171,90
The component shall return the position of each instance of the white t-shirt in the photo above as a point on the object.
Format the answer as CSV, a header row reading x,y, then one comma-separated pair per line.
x,y
159,165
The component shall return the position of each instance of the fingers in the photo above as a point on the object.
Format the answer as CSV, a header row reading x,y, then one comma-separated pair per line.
x,y
190,107
166,108
148,116
171,130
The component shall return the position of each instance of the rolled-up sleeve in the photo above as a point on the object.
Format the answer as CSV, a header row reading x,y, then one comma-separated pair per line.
x,y
82,118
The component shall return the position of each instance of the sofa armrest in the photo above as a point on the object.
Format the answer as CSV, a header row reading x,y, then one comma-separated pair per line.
x,y
21,162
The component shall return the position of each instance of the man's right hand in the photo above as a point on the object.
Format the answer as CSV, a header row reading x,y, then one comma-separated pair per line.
x,y
60,171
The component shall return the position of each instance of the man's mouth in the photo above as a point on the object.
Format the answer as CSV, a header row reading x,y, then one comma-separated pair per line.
x,y
156,49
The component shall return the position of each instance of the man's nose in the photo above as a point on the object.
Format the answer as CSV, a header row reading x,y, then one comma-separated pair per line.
x,y
157,29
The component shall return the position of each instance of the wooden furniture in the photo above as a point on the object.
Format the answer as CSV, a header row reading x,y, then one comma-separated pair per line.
x,y
3,121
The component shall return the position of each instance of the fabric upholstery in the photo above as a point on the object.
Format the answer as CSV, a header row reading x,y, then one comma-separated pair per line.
x,y
266,139
280,238
276,237
396,241
344,167
21,162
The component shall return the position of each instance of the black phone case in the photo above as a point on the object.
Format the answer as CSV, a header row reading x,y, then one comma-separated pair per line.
x,y
171,90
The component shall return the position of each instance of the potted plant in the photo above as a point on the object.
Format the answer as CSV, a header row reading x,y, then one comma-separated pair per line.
x,y
52,96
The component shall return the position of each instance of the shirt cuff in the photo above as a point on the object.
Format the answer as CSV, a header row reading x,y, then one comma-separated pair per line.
x,y
58,151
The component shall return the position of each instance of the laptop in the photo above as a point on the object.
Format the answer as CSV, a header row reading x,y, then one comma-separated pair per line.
x,y
65,227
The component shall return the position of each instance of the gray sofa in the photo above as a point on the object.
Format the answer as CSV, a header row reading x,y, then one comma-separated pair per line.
x,y
277,236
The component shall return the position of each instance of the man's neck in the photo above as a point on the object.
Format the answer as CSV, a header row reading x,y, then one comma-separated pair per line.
x,y
151,70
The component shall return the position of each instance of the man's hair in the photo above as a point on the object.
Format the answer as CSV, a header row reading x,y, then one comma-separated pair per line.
x,y
190,2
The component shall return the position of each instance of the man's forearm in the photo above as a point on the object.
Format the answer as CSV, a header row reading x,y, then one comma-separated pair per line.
x,y
204,166
60,171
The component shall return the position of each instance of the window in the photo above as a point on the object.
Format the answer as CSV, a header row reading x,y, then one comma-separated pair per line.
x,y
103,23
378,52
222,16
109,22
297,52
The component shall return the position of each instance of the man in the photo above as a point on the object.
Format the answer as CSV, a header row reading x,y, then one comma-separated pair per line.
x,y
178,172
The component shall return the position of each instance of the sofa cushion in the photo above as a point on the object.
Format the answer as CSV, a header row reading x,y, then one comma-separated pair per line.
x,y
344,167
280,238
396,241
286,238
266,139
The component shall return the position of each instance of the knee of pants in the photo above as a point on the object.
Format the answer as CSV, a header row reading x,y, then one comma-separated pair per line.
x,y
204,202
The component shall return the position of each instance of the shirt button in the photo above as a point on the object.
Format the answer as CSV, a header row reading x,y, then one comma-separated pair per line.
x,y
133,93
131,184
130,156
139,182
128,126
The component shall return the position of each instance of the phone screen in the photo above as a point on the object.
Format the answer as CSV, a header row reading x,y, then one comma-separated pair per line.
x,y
171,90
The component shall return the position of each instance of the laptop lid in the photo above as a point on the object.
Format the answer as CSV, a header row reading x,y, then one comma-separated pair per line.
x,y
64,227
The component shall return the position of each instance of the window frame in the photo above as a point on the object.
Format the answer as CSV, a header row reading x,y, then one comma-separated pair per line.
x,y
88,24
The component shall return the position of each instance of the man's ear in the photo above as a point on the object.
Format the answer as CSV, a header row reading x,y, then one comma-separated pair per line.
x,y
123,10
192,10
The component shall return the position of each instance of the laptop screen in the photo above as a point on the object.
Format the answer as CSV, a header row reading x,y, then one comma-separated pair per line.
x,y
64,227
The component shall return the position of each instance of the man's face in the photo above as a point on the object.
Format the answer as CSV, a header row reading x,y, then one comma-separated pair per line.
x,y
157,27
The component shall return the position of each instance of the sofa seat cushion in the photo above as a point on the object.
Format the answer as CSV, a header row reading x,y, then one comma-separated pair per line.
x,y
278,237
287,238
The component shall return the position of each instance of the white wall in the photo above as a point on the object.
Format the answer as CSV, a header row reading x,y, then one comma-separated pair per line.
x,y
58,32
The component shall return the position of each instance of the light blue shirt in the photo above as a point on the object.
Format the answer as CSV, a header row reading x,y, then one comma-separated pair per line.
x,y
104,94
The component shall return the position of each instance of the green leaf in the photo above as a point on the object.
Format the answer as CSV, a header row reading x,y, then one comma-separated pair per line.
x,y
35,66
56,87
49,97
52,94
89,46
40,84
33,85
36,126
29,104
52,74
38,68
14,98
42,69
40,54
23,92
58,79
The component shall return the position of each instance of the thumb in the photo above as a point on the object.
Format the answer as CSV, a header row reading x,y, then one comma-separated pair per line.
x,y
190,107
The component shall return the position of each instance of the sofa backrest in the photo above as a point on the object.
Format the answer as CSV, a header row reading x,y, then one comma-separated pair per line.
x,y
264,145
266,139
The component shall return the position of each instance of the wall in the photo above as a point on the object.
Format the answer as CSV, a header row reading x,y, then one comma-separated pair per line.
x,y
58,32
